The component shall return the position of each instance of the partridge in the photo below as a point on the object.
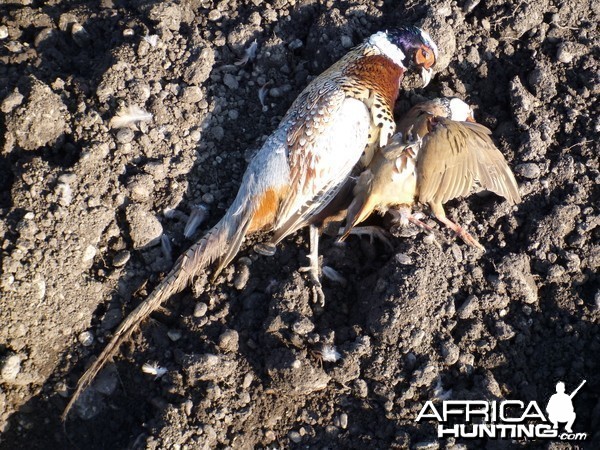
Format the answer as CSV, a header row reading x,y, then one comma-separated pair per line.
x,y
447,156
340,118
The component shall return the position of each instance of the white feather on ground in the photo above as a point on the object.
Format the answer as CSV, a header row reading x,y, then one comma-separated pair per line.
x,y
129,116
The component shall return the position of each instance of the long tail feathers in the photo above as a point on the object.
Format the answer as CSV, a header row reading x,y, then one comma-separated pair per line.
x,y
223,242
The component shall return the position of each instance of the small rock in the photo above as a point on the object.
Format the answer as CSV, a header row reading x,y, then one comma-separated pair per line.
x,y
303,326
80,35
248,378
468,307
174,335
346,41
450,352
564,54
504,331
125,135
528,170
144,228
231,82
214,15
208,198
403,259
456,252
198,70
242,277
218,133
187,407
62,389
192,94
89,253
515,270
295,44
86,338
275,92
3,32
295,437
361,388
111,319
121,258
13,100
229,341
11,366
343,421
200,309
64,193
427,445
89,404
107,380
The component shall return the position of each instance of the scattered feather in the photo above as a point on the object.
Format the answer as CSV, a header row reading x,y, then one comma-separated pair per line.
x,y
249,55
154,369
197,217
262,93
151,39
439,392
165,245
331,274
129,116
330,354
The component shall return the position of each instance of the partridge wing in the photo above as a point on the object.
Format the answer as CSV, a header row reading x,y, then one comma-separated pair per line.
x,y
458,158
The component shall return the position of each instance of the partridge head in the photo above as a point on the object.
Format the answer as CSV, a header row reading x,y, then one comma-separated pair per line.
x,y
449,156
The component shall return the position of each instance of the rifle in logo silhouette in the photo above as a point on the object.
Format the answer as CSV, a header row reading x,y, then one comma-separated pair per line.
x,y
572,394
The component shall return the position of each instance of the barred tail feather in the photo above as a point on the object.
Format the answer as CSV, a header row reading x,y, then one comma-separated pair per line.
x,y
220,243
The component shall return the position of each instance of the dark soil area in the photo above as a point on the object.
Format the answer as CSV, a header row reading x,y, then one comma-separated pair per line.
x,y
84,207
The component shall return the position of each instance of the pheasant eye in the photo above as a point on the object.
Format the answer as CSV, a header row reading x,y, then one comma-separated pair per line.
x,y
424,53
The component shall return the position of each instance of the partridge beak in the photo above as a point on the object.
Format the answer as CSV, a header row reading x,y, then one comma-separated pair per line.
x,y
471,119
426,75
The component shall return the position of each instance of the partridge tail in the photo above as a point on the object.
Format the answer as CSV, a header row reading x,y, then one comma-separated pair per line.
x,y
221,243
362,204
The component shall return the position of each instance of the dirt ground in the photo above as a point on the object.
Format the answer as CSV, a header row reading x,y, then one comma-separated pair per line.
x,y
84,206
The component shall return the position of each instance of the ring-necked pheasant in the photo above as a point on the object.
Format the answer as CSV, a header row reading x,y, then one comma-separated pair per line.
x,y
438,154
343,115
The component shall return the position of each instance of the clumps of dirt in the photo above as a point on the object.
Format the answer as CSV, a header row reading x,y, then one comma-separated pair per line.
x,y
35,121
94,213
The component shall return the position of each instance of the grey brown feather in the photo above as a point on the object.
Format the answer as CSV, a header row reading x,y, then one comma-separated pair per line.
x,y
459,158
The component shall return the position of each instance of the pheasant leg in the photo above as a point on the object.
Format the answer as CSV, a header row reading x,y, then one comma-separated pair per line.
x,y
313,269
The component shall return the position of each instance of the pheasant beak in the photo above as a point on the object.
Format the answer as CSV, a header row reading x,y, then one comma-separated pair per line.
x,y
426,75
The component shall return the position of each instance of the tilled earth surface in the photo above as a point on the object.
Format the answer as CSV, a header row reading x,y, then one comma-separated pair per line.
x,y
84,206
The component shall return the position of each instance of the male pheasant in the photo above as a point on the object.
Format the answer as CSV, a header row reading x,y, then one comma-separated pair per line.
x,y
343,115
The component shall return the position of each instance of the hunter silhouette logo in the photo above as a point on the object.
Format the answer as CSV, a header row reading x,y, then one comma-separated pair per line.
x,y
560,407
506,419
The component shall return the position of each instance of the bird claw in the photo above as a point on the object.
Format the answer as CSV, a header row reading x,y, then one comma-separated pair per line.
x,y
374,233
318,296
462,233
